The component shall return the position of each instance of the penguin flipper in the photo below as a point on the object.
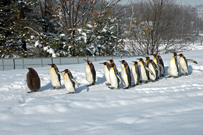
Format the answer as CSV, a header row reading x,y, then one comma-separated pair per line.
x,y
75,81
149,71
120,80
190,60
60,73
158,70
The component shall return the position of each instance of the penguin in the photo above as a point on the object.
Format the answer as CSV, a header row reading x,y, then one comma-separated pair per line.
x,y
156,61
183,62
55,76
90,73
161,62
173,66
146,61
152,66
111,61
106,72
143,71
33,80
69,81
135,73
114,77
125,74
146,64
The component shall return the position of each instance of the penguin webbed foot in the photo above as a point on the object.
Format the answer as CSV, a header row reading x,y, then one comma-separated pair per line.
x,y
70,93
125,87
107,84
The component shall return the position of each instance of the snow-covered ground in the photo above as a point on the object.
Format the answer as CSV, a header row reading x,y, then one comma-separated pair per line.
x,y
165,107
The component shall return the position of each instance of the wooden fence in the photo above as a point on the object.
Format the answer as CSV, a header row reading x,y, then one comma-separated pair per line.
x,y
21,63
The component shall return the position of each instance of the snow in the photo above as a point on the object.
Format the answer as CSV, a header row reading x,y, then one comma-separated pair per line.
x,y
169,106
50,51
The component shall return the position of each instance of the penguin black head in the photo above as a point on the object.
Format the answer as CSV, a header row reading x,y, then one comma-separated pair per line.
x,y
140,59
105,63
123,61
111,61
147,58
181,55
159,56
135,62
174,53
88,62
52,65
66,71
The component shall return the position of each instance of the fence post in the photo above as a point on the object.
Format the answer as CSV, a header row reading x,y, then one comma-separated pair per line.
x,y
3,63
42,62
60,61
23,63
51,60
78,59
14,63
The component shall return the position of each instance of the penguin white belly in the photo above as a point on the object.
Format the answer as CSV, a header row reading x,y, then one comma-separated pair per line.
x,y
54,78
106,74
135,76
143,74
68,84
183,65
89,75
152,77
124,77
113,79
173,67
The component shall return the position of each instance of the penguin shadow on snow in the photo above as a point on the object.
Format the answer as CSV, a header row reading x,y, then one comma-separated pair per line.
x,y
49,87
99,80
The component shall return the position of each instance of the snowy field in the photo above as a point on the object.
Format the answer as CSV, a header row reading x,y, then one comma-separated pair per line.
x,y
166,107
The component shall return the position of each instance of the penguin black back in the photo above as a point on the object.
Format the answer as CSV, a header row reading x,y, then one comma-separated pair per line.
x,y
70,76
56,70
92,70
33,80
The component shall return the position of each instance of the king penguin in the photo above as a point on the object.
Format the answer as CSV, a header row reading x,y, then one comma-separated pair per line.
x,y
183,64
90,73
152,66
173,66
33,80
146,61
106,72
143,70
156,61
69,81
125,74
135,73
55,76
114,77
161,62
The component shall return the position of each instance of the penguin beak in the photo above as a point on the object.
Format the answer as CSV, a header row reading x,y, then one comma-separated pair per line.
x,y
86,60
101,63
